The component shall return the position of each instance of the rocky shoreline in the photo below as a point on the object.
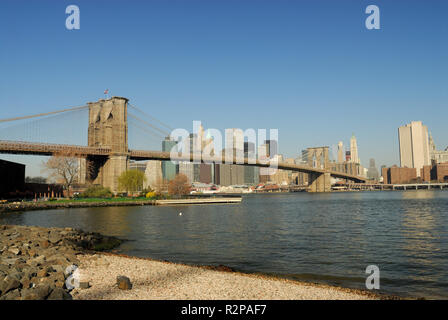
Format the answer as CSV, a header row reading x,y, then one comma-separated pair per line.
x,y
35,261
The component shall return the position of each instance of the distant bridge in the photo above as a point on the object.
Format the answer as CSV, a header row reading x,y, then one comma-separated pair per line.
x,y
109,154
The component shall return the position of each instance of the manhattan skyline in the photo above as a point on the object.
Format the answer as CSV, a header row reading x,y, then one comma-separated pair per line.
x,y
309,69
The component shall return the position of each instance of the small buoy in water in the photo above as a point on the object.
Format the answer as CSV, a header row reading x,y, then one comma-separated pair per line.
x,y
180,213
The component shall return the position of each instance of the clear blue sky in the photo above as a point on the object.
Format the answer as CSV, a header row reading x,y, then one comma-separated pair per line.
x,y
309,68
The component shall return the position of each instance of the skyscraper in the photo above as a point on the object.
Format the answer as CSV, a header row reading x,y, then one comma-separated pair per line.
x,y
372,172
169,169
234,139
354,150
272,146
414,145
340,152
251,174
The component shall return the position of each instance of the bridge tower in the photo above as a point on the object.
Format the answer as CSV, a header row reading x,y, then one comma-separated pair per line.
x,y
108,128
319,182
318,158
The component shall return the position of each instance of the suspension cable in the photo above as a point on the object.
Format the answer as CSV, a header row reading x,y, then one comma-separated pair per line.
x,y
151,117
147,130
165,133
42,114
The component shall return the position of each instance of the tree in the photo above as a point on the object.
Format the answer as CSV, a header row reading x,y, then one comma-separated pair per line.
x,y
160,185
179,185
64,168
131,180
96,191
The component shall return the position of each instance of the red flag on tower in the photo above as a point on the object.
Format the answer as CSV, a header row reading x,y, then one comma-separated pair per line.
x,y
106,91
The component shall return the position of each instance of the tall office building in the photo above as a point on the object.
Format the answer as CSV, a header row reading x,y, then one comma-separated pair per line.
x,y
169,169
231,174
414,146
205,173
272,147
251,174
341,152
354,150
187,168
372,172
235,139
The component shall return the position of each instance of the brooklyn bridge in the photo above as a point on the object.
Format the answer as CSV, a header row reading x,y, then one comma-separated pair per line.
x,y
108,153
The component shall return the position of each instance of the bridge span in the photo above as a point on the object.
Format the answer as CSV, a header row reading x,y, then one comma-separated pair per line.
x,y
108,152
47,149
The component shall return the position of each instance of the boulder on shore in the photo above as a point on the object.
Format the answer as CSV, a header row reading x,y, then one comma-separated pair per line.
x,y
124,283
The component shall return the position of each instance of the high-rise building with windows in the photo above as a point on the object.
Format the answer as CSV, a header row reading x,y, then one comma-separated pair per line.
x,y
251,174
354,150
372,172
272,147
234,139
414,146
341,152
169,168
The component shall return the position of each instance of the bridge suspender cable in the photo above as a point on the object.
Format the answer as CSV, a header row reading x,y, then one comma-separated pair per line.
x,y
43,114
148,130
152,118
165,133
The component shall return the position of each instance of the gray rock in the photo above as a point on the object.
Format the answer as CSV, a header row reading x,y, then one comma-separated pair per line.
x,y
39,292
54,238
37,261
59,294
30,272
58,268
9,283
12,295
9,261
124,283
4,268
16,275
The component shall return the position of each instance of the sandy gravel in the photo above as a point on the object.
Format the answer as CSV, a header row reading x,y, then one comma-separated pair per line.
x,y
155,280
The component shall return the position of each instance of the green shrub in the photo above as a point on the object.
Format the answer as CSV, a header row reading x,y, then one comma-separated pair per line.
x,y
96,192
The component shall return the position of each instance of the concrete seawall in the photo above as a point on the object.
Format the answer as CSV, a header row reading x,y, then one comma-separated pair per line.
x,y
198,201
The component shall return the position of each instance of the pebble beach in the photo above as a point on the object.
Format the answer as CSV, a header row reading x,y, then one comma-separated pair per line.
x,y
157,280
34,261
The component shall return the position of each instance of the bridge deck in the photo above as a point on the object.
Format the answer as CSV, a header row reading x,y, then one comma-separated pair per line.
x,y
47,149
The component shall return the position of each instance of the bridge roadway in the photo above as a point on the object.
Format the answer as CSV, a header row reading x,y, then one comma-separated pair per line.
x,y
47,149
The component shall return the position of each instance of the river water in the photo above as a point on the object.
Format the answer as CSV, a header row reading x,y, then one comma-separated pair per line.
x,y
328,238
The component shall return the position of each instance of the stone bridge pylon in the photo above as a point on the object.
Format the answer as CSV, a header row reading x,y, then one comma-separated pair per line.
x,y
108,128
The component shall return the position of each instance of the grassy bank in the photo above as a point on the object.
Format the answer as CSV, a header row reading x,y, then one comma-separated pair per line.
x,y
77,200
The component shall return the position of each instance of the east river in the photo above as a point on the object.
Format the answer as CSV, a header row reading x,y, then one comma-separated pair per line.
x,y
327,238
